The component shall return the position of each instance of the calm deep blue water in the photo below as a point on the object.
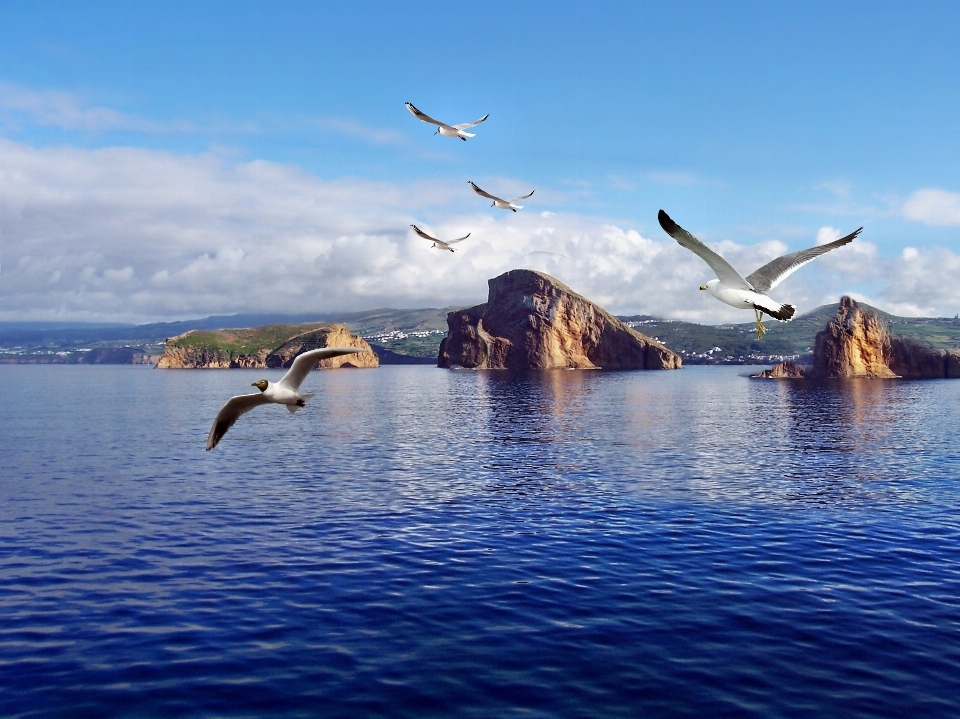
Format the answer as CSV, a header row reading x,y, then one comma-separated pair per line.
x,y
420,542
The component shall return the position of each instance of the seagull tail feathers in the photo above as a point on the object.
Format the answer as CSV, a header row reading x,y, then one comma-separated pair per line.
x,y
784,314
467,134
302,402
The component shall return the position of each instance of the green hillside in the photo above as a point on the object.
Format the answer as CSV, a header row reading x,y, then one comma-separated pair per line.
x,y
418,333
241,341
737,344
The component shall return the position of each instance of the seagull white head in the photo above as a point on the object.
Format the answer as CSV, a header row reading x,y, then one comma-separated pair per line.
x,y
710,286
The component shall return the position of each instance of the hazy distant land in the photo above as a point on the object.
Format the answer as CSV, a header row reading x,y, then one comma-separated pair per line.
x,y
415,335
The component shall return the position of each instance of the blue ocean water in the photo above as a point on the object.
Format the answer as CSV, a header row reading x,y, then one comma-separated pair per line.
x,y
419,542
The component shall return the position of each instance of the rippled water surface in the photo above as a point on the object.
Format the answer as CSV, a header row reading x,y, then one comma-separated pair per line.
x,y
419,542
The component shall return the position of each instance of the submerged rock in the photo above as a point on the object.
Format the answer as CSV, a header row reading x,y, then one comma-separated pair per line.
x,y
533,321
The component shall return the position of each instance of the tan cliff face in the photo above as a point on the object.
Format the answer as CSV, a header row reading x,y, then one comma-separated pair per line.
x,y
532,321
858,343
228,349
854,344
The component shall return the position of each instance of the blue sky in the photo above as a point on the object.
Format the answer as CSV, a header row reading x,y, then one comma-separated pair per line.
x,y
760,126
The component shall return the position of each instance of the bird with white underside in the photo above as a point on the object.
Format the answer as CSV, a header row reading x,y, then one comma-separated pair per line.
x,y
498,202
445,129
285,392
439,244
750,292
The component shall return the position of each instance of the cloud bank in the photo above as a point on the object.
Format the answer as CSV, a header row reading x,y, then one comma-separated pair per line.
x,y
126,234
933,207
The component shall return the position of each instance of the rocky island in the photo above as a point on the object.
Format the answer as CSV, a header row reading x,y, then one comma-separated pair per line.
x,y
272,346
533,321
858,343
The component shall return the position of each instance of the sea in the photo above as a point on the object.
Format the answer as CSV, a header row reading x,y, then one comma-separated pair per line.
x,y
419,542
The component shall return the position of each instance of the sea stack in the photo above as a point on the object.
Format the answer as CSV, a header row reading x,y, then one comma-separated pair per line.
x,y
858,343
533,321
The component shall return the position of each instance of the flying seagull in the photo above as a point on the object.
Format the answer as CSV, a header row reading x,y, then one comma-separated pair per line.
x,y
283,392
750,291
439,244
497,202
445,129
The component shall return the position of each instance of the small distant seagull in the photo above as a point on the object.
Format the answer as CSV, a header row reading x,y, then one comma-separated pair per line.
x,y
445,129
439,244
497,202
283,392
750,291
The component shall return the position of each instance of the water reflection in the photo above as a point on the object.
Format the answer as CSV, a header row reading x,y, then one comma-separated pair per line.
x,y
532,424
831,434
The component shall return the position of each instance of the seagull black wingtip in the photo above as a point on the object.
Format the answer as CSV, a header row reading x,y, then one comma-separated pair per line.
x,y
666,223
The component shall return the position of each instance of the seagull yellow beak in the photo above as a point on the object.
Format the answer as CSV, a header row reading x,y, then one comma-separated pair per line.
x,y
703,287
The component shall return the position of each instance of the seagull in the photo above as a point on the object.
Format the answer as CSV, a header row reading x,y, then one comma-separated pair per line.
x,y
750,291
497,202
439,244
445,129
282,392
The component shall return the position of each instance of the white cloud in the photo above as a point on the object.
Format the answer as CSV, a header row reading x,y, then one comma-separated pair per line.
x,y
923,283
933,207
352,128
73,112
138,235
828,234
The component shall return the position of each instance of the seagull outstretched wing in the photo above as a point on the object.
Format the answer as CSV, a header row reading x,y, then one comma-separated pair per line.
x,y
467,125
725,271
305,362
422,116
230,413
459,239
424,235
522,197
776,271
482,193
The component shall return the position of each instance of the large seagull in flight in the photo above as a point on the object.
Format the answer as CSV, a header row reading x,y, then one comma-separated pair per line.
x,y
285,392
445,129
750,292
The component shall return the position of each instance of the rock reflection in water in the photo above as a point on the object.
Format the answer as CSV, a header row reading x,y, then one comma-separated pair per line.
x,y
833,430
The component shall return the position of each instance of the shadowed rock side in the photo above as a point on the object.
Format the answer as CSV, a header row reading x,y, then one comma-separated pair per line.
x,y
273,346
858,343
532,321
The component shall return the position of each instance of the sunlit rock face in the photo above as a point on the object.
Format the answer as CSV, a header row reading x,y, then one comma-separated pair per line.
x,y
852,345
858,343
330,336
273,346
533,321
